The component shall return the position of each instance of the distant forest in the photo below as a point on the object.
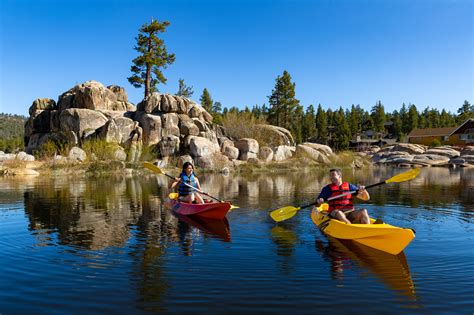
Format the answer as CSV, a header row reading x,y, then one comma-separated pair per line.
x,y
12,130
337,127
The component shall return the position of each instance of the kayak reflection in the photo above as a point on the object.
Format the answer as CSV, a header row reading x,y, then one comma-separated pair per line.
x,y
219,229
392,270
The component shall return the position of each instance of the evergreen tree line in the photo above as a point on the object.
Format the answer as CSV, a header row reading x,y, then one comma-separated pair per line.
x,y
337,127
12,130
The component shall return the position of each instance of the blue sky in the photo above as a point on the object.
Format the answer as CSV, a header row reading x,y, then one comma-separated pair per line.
x,y
338,53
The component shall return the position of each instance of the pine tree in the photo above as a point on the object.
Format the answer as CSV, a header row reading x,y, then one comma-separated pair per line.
x,y
355,123
404,118
217,107
446,119
422,120
283,103
309,124
368,121
321,125
152,57
465,112
412,119
397,125
206,101
297,124
184,90
342,134
378,117
217,113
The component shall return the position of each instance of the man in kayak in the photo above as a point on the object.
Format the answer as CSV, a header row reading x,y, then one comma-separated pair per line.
x,y
342,208
185,180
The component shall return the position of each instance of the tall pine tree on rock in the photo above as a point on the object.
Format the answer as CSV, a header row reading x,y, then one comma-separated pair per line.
x,y
153,57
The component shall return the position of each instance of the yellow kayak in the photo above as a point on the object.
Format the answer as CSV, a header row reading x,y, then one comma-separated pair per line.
x,y
384,237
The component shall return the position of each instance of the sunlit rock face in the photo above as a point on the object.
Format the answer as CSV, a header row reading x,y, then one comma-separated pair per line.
x,y
171,125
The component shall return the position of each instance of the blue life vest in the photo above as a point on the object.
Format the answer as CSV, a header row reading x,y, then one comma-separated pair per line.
x,y
184,190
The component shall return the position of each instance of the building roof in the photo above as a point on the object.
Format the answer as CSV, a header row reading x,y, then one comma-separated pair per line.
x,y
430,132
464,123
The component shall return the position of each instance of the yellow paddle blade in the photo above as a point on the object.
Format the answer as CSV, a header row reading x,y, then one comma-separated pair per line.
x,y
404,176
232,207
284,213
152,167
173,195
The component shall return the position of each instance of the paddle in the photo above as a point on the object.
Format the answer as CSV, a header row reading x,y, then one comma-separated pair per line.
x,y
158,170
173,195
288,212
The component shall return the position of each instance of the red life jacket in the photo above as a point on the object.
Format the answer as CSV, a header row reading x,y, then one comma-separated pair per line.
x,y
342,203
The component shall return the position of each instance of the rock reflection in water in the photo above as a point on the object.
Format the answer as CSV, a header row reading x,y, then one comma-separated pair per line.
x,y
92,214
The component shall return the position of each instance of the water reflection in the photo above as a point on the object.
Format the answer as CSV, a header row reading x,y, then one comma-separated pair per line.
x,y
286,241
219,229
392,270
96,214
113,235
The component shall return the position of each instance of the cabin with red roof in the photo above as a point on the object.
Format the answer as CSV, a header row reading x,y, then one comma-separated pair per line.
x,y
460,135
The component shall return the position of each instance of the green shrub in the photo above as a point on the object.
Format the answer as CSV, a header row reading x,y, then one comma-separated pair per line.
x,y
100,149
51,148
435,143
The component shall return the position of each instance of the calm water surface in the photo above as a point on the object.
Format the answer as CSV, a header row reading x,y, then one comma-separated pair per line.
x,y
78,245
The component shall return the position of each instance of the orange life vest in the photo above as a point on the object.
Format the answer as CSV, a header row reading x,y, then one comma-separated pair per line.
x,y
342,203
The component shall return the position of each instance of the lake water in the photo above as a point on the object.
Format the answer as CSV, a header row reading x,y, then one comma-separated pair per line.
x,y
76,245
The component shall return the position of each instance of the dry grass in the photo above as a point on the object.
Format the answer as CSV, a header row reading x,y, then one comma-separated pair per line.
x,y
345,159
102,150
244,125
15,163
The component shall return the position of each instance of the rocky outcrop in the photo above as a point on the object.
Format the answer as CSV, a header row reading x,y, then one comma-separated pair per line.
x,y
283,152
248,148
265,154
94,96
275,135
315,152
418,155
170,125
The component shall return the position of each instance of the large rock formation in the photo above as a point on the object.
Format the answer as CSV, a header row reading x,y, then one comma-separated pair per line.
x,y
171,125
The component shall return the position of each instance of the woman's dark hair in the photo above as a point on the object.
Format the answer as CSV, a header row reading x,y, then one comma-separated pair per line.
x,y
186,164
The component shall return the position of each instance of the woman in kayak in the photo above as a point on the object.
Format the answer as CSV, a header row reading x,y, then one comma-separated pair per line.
x,y
343,208
185,180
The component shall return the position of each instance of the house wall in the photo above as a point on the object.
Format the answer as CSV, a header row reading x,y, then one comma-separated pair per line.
x,y
425,140
453,140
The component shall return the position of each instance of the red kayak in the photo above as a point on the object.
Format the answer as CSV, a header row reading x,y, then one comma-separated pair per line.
x,y
212,210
